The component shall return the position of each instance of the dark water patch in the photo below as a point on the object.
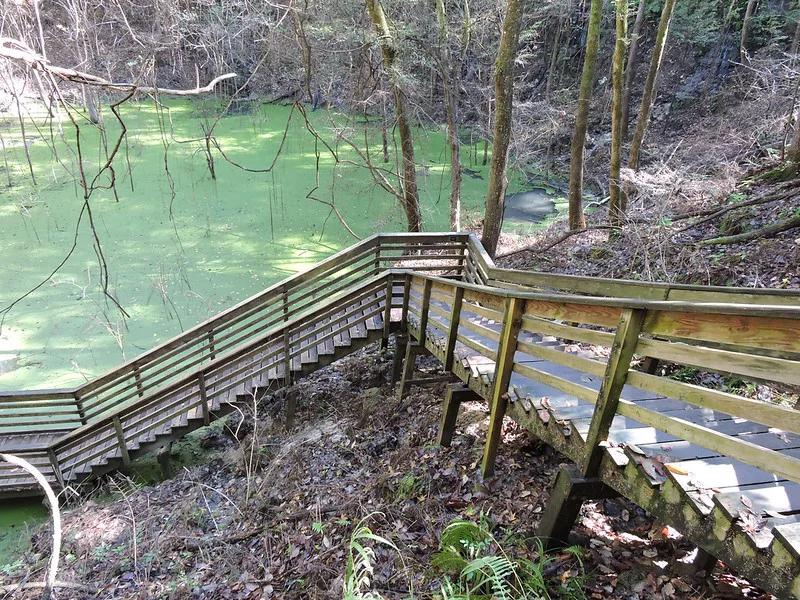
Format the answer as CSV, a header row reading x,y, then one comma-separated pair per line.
x,y
18,518
531,206
8,363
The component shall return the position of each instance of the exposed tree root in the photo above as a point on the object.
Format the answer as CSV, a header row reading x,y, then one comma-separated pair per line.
x,y
50,581
768,231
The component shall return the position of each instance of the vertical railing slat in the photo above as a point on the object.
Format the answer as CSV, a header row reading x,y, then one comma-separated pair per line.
x,y
512,323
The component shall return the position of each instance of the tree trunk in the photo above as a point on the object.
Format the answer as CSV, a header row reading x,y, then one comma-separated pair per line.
x,y
616,207
748,21
305,49
551,71
576,218
630,69
450,78
650,84
504,102
796,40
409,175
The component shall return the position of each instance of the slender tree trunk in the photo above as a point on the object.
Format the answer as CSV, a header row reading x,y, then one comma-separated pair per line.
x,y
410,198
746,24
650,84
630,69
551,71
796,40
305,48
576,218
504,102
450,78
616,207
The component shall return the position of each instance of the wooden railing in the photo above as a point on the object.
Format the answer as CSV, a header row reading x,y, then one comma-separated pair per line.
x,y
482,270
157,368
271,330
761,343
203,389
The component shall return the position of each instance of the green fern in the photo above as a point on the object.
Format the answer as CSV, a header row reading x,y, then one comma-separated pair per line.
x,y
360,568
480,568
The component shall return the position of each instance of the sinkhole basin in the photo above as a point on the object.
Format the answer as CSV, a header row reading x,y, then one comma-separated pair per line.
x,y
180,246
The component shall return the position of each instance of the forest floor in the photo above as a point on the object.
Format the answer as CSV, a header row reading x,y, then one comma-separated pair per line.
x,y
706,173
271,514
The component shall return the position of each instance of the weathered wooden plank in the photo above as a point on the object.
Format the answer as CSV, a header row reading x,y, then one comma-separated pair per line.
x,y
595,367
588,314
559,383
504,364
747,365
755,410
753,331
757,456
482,311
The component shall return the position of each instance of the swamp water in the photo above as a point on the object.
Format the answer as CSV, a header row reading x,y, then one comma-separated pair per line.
x,y
176,258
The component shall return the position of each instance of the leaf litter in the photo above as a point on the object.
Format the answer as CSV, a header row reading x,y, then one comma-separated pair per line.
x,y
272,512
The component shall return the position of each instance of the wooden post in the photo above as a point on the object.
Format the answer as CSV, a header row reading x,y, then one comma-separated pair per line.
x,y
566,499
453,397
625,340
137,375
512,323
211,351
201,384
123,449
406,297
452,332
387,311
51,454
400,345
424,309
81,410
285,303
460,263
412,350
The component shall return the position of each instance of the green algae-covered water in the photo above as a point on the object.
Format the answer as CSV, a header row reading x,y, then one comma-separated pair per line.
x,y
181,246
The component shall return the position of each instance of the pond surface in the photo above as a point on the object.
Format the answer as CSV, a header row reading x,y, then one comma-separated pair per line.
x,y
181,246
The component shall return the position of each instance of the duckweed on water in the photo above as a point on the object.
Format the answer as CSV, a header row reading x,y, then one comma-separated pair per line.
x,y
176,261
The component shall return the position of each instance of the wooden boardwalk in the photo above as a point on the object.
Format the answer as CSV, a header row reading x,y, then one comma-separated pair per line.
x,y
579,362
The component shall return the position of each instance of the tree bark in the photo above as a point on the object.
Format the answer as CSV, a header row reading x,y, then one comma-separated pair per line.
x,y
504,102
409,166
616,207
630,69
450,72
767,231
650,84
551,71
746,24
305,49
576,218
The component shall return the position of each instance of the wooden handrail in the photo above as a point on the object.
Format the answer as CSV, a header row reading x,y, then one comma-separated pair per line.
x,y
744,330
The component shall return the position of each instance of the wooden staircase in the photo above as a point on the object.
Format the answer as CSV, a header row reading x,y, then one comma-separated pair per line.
x,y
579,370
580,375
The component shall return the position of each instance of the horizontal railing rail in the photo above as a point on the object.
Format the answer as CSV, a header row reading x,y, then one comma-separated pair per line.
x,y
482,270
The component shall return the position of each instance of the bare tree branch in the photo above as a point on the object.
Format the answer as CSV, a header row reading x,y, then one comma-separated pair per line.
x,y
16,50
